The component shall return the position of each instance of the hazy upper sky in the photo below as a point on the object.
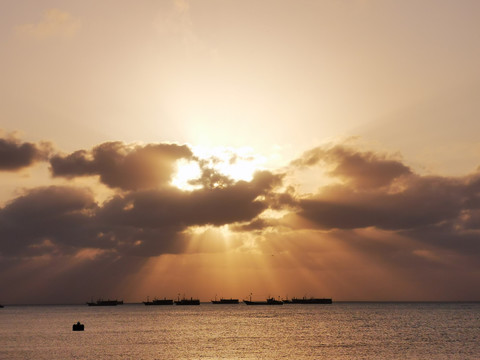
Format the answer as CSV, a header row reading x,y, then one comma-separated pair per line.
x,y
322,148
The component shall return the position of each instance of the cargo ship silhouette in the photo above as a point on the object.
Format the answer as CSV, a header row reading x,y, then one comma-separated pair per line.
x,y
269,301
101,302
185,301
225,301
156,301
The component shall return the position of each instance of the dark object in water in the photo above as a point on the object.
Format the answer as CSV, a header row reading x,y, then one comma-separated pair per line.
x,y
270,301
1,306
190,301
225,301
304,300
163,301
78,326
105,303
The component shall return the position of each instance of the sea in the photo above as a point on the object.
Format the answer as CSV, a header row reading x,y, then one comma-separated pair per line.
x,y
342,330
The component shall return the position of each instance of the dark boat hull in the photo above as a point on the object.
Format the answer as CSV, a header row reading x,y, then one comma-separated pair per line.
x,y
268,302
188,302
105,303
225,301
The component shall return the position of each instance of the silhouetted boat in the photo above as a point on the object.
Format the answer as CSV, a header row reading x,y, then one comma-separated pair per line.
x,y
78,327
225,301
190,301
304,300
105,303
163,301
287,301
269,301
1,306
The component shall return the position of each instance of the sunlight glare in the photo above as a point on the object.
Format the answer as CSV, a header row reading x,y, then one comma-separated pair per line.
x,y
236,163
186,171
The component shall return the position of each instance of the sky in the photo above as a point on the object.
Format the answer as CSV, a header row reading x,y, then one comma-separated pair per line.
x,y
226,148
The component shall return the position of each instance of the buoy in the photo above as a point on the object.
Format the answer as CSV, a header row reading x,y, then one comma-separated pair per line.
x,y
78,327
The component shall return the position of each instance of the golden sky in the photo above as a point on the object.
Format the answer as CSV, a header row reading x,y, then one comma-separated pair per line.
x,y
215,147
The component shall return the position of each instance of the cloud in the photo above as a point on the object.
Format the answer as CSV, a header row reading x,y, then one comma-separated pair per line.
x,y
128,167
360,169
423,201
55,23
381,192
145,222
15,155
211,178
47,219
153,221
173,207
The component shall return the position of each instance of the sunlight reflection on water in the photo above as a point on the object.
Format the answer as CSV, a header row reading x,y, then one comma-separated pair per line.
x,y
338,331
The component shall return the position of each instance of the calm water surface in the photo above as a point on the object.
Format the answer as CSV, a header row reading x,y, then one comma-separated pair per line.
x,y
338,331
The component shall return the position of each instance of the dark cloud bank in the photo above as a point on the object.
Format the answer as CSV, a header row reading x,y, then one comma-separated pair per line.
x,y
386,194
122,166
148,217
15,155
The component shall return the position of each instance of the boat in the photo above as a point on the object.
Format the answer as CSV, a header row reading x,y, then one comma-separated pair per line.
x,y
304,300
156,301
105,303
1,306
225,301
269,301
78,327
185,301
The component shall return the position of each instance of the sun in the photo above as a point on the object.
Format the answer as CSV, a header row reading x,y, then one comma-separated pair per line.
x,y
236,163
